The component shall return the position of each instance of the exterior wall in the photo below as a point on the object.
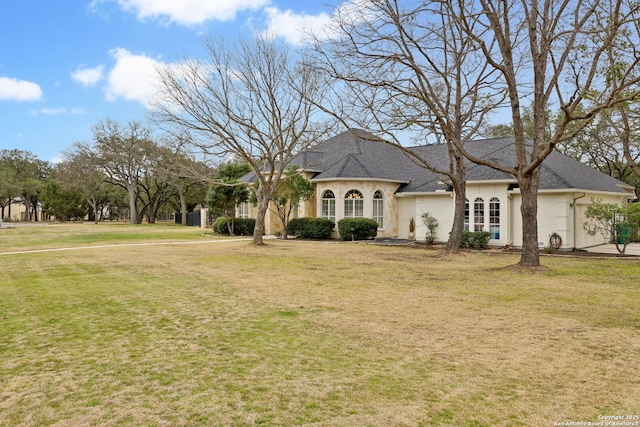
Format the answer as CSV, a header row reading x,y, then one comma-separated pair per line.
x,y
562,213
406,210
19,213
441,207
367,188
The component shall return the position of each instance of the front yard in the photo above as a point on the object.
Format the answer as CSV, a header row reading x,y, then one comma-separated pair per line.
x,y
309,333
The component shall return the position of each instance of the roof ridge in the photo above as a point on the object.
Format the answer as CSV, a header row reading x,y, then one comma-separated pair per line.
x,y
352,158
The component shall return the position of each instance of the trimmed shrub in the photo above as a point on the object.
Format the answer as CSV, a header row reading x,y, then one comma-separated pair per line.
x,y
475,239
311,228
242,226
357,228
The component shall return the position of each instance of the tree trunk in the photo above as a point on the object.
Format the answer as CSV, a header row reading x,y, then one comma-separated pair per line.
x,y
529,210
455,236
152,215
133,208
263,206
183,207
94,205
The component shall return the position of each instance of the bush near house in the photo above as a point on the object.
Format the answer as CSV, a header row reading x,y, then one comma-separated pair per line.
x,y
242,226
357,228
475,239
311,228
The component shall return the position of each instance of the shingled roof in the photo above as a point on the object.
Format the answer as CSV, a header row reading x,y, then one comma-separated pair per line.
x,y
357,154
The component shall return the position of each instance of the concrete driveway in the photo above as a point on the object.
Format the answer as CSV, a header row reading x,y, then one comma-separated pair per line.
x,y
632,249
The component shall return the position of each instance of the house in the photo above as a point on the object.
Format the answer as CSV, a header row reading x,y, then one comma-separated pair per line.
x,y
357,174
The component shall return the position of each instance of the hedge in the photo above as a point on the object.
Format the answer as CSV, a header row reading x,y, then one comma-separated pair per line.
x,y
475,239
242,226
357,228
311,228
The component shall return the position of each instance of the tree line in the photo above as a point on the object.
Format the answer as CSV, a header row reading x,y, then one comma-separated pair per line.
x,y
122,174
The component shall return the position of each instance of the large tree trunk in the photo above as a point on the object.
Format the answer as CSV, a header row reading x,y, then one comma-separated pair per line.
x,y
263,206
529,210
457,228
133,208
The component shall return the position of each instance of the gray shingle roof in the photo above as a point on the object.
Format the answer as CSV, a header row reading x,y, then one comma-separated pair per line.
x,y
357,154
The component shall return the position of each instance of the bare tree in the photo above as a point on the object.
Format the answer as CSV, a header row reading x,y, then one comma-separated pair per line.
x,y
122,154
182,172
577,56
410,68
79,173
251,100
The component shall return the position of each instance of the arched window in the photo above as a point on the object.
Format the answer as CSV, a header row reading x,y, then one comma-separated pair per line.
x,y
478,214
494,217
378,208
353,204
329,205
466,214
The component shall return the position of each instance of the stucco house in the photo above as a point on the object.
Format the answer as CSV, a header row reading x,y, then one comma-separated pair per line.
x,y
356,174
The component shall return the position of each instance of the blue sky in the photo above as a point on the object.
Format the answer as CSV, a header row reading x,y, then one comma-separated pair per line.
x,y
66,65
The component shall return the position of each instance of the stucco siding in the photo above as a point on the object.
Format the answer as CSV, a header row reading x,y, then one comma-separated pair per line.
x,y
441,207
368,189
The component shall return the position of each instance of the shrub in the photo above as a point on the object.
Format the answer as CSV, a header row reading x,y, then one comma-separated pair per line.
x,y
357,228
242,226
311,228
475,239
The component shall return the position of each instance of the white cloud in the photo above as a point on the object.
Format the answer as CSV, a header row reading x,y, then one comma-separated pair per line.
x,y
132,78
88,76
295,27
190,12
56,111
49,111
19,90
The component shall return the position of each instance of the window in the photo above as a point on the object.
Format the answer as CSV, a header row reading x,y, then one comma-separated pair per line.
x,y
353,204
329,205
466,214
243,210
378,208
478,214
494,217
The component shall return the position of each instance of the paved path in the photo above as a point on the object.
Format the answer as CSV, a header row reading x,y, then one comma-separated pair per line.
x,y
124,245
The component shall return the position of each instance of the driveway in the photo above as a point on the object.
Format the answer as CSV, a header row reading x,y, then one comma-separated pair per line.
x,y
632,249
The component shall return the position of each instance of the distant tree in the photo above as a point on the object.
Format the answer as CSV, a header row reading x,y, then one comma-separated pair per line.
x,y
120,152
9,186
249,99
227,192
187,176
293,189
63,203
80,173
26,176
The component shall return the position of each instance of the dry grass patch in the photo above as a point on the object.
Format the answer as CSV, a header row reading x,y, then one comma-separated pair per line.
x,y
300,333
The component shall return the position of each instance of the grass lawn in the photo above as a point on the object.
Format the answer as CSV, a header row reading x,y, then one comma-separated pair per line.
x,y
307,333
